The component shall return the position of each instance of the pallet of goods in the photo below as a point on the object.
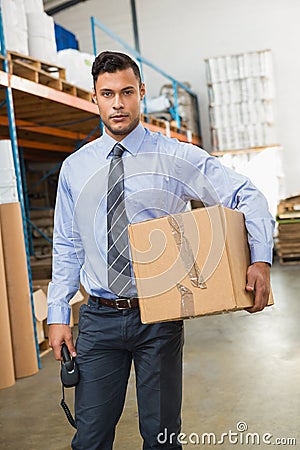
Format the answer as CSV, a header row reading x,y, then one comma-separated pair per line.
x,y
288,238
44,73
241,96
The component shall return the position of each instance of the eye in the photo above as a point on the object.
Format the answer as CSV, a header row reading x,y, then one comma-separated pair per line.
x,y
128,92
106,94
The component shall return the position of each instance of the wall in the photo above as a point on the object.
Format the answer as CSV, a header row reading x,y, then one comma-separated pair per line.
x,y
178,35
115,14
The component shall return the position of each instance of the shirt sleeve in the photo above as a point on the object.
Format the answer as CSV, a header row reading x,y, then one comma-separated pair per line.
x,y
67,255
206,179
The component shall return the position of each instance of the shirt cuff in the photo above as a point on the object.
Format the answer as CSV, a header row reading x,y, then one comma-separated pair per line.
x,y
261,253
59,314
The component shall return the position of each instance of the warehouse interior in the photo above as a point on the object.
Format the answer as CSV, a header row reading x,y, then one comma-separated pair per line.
x,y
222,75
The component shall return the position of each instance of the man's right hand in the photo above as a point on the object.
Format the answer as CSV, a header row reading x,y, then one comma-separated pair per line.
x,y
59,334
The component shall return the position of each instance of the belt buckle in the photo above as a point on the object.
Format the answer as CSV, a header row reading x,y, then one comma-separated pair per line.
x,y
120,308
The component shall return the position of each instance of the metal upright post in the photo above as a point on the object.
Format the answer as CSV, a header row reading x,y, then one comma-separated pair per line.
x,y
137,45
177,116
94,35
135,26
26,201
14,144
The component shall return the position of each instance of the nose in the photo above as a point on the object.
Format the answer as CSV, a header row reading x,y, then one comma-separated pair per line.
x,y
118,104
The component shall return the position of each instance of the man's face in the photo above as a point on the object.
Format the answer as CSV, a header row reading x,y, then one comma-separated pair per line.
x,y
118,96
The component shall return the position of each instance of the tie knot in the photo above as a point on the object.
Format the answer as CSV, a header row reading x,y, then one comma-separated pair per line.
x,y
118,150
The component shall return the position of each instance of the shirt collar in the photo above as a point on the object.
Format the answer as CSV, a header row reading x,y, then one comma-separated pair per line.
x,y
132,142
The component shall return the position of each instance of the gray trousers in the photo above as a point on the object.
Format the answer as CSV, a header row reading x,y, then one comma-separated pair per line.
x,y
108,341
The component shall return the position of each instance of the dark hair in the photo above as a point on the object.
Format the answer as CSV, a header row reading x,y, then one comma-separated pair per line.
x,y
112,62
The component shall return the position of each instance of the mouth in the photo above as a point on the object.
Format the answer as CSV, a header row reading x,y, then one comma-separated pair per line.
x,y
118,117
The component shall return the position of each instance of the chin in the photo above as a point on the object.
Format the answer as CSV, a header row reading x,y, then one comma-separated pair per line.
x,y
123,130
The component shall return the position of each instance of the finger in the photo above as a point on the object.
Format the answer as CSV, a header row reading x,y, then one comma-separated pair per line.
x,y
56,345
256,306
69,343
249,288
251,282
260,299
57,351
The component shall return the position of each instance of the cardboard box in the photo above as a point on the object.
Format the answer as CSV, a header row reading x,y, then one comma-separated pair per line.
x,y
76,306
191,264
75,303
40,311
43,286
79,298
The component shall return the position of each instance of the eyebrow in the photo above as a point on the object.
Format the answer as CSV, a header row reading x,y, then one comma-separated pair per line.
x,y
111,90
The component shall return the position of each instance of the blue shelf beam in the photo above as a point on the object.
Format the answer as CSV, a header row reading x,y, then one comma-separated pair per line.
x,y
40,232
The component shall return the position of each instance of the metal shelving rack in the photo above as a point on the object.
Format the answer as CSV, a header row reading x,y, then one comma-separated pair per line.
x,y
46,119
14,143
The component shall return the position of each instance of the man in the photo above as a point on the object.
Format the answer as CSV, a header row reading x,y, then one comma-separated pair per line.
x,y
155,176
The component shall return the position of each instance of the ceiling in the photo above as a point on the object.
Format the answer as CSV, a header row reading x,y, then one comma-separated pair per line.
x,y
54,6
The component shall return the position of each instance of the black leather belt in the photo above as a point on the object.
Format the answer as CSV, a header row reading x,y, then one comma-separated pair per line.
x,y
119,303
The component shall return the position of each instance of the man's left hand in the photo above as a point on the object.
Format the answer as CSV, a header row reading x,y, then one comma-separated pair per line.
x,y
258,282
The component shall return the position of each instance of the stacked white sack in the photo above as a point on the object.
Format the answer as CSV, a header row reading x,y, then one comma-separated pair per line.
x,y
32,6
8,183
41,37
78,67
15,26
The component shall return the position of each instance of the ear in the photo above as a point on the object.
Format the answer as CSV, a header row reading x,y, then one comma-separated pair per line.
x,y
94,97
142,91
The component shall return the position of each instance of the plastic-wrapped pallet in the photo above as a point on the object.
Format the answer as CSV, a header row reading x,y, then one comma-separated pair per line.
x,y
186,107
78,67
15,26
41,37
241,95
158,104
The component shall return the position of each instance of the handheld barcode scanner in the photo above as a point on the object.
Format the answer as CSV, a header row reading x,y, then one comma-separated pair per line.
x,y
69,371
69,375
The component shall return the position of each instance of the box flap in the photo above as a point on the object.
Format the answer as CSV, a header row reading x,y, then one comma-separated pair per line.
x,y
78,297
40,305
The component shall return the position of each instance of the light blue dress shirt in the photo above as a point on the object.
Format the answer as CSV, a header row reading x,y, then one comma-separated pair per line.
x,y
161,176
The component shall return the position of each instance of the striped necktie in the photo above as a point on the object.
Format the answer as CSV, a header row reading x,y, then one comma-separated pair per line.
x,y
118,266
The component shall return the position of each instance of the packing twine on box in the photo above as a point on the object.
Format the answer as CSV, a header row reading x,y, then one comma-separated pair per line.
x,y
189,261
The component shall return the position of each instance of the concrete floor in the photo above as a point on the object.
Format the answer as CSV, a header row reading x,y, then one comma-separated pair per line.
x,y
238,368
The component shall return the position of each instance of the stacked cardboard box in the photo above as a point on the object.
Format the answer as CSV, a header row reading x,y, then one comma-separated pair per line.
x,y
40,288
43,220
288,237
40,311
